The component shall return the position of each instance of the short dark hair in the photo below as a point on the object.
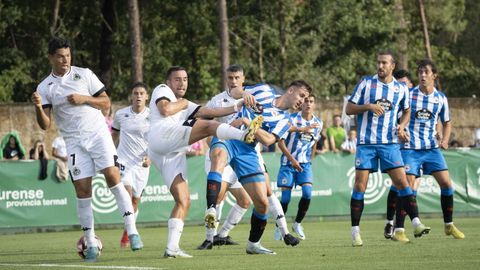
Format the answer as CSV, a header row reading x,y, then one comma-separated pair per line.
x,y
57,43
388,52
235,68
312,95
426,62
300,84
173,69
138,84
402,73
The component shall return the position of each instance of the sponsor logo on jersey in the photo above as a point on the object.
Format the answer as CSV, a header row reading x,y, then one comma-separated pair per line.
x,y
308,137
385,103
423,115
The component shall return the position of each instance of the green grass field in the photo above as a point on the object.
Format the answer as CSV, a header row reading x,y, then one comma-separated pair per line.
x,y
328,246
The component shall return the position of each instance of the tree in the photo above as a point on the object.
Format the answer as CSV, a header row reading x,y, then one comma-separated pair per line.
x,y
135,40
223,27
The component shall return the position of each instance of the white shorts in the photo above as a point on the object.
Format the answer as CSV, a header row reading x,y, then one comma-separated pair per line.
x,y
88,155
135,176
163,139
228,174
170,166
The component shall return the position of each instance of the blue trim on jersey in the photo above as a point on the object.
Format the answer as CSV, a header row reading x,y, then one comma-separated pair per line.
x,y
358,195
259,216
405,192
215,176
447,191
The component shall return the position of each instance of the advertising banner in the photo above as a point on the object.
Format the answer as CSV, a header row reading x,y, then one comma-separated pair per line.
x,y
26,201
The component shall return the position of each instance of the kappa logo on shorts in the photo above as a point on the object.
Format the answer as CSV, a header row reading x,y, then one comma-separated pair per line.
x,y
76,171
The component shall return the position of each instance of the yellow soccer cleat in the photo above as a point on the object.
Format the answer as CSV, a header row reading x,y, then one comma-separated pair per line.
x,y
421,230
401,237
450,229
357,240
255,124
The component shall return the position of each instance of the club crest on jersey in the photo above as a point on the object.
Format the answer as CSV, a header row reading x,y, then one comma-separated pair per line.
x,y
385,103
423,115
396,89
76,171
435,100
76,77
126,115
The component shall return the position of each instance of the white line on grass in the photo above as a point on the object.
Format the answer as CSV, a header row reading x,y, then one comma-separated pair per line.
x,y
82,266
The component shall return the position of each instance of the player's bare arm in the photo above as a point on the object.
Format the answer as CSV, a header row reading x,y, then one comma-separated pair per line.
x,y
115,137
305,129
42,114
265,137
447,128
353,109
248,99
205,112
101,102
402,126
284,149
167,108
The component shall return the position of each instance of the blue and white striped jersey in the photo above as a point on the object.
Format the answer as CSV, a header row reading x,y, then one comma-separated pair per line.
x,y
392,96
276,121
300,144
425,112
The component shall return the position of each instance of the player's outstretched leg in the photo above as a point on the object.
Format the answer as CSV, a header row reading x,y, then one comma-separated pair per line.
x,y
391,205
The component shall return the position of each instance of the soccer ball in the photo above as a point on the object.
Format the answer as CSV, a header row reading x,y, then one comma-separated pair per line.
x,y
82,246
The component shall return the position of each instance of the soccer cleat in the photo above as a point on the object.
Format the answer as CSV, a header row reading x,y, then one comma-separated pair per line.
x,y
290,240
205,245
357,240
91,254
124,242
135,242
170,254
255,124
388,231
277,235
220,241
210,217
400,236
256,248
421,230
298,229
450,229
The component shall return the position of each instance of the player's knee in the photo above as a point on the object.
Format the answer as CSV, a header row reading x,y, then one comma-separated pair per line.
x,y
244,202
286,196
307,192
261,205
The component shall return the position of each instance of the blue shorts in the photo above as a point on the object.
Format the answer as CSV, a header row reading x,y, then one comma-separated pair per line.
x,y
288,176
367,157
243,159
428,160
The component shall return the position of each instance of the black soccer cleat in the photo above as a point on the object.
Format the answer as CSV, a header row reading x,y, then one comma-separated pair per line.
x,y
205,245
220,241
388,231
290,240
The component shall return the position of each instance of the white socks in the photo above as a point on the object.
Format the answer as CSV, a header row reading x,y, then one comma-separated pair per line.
x,y
276,211
415,222
85,215
175,229
227,132
124,204
234,216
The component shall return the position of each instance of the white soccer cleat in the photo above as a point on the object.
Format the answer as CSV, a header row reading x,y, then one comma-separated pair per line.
x,y
256,248
172,254
298,229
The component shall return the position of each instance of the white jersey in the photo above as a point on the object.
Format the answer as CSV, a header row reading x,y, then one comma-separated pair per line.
x,y
73,120
223,100
59,144
133,128
164,92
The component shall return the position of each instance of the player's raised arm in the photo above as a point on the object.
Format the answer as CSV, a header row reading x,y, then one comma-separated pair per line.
x,y
42,114
167,107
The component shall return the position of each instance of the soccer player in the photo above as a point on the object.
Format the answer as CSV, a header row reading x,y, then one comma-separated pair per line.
x,y
246,162
376,101
216,162
174,126
296,167
402,75
129,133
76,96
428,105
